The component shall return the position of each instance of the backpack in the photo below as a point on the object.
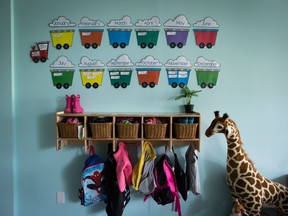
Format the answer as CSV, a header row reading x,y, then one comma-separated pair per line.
x,y
116,200
166,190
143,171
92,191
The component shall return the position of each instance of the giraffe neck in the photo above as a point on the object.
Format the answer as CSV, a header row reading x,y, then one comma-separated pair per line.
x,y
238,163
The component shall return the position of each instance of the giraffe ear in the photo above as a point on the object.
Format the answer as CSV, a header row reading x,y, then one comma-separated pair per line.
x,y
216,114
225,116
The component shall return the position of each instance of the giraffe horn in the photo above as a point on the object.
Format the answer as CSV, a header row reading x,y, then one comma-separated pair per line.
x,y
225,116
216,114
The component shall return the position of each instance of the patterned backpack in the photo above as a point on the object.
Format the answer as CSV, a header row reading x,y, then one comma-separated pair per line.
x,y
92,191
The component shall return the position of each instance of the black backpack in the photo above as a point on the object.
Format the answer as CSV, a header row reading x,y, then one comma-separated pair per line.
x,y
166,190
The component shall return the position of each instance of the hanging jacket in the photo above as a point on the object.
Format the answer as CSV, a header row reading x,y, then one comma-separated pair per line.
x,y
148,154
116,201
192,171
123,166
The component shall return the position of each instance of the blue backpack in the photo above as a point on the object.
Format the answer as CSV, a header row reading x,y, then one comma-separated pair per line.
x,y
92,190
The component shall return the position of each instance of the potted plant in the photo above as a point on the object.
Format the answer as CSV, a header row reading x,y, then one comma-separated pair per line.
x,y
187,94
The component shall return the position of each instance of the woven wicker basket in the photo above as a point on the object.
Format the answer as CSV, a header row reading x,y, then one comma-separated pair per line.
x,y
101,130
127,131
68,130
185,131
155,131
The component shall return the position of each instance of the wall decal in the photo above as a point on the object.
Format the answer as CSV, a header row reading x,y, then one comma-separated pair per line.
x,y
207,72
90,37
39,51
177,36
91,76
121,75
178,71
62,22
62,38
63,73
205,32
148,71
86,22
147,36
120,36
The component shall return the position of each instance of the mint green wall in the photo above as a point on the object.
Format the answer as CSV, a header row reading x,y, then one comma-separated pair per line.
x,y
6,114
251,48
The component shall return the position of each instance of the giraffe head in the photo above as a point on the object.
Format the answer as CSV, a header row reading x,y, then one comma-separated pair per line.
x,y
218,125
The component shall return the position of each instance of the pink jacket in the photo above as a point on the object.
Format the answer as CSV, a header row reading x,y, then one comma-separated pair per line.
x,y
123,166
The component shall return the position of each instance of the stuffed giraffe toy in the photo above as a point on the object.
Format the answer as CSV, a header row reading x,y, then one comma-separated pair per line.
x,y
245,183
238,209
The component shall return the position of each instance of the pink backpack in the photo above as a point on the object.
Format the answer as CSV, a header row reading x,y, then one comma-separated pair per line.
x,y
166,190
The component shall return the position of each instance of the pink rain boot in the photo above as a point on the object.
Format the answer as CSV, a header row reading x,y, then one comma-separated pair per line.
x,y
68,108
76,104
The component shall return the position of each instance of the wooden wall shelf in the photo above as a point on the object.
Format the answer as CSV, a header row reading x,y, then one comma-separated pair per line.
x,y
169,139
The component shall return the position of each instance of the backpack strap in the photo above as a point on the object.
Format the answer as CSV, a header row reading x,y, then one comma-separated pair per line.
x,y
173,185
92,150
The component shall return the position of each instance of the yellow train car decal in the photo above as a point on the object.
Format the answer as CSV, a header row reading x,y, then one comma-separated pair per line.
x,y
91,77
62,38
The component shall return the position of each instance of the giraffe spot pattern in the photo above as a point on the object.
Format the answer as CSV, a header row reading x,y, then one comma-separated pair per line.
x,y
244,181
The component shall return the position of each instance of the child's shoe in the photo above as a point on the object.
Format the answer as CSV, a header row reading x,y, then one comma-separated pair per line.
x,y
76,104
68,108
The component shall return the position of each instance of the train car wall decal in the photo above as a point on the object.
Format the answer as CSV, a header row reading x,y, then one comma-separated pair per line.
x,y
90,72
121,71
147,35
91,77
90,33
177,31
119,35
62,38
62,77
205,32
39,51
207,72
62,72
178,71
148,71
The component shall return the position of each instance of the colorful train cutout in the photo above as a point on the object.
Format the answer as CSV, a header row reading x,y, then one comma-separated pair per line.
x,y
39,51
91,77
91,37
207,77
62,78
148,76
147,37
178,76
62,38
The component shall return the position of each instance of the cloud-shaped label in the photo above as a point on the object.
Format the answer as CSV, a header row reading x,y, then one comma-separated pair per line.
x,y
181,61
205,63
62,62
86,22
125,21
153,22
121,61
208,22
62,22
149,61
86,62
179,21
